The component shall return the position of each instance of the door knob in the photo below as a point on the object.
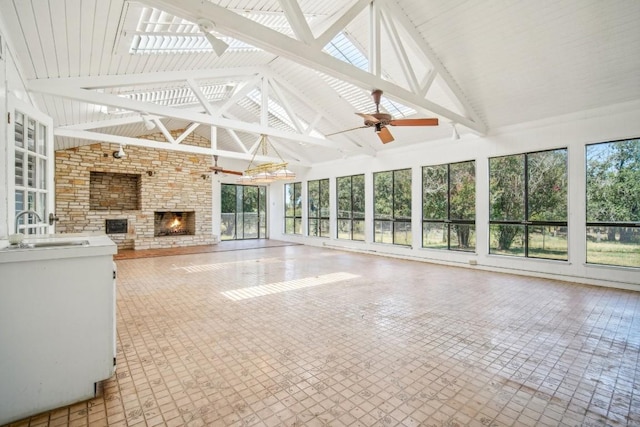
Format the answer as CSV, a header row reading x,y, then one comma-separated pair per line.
x,y
53,218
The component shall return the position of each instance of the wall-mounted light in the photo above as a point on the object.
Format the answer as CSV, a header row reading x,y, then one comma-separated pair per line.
x,y
120,154
151,173
206,26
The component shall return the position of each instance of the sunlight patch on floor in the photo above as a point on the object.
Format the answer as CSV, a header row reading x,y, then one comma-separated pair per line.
x,y
290,285
223,265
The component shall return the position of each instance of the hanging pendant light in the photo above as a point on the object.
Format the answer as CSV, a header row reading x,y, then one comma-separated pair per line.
x,y
271,171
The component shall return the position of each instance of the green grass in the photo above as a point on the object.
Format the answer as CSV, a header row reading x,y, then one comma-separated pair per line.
x,y
613,253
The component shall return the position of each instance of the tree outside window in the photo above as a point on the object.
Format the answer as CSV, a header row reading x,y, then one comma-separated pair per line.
x,y
293,208
392,207
318,206
528,203
448,206
350,218
613,203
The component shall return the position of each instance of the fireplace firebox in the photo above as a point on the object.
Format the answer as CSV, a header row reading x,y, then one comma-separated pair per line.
x,y
169,223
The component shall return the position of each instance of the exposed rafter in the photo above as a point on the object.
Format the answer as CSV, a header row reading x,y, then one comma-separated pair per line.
x,y
310,53
72,89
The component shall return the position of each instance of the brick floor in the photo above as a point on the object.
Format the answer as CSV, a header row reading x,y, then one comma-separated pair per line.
x,y
303,336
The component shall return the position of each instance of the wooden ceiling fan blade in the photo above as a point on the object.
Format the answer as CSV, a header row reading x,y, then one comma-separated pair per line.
x,y
368,117
414,122
385,135
346,130
231,172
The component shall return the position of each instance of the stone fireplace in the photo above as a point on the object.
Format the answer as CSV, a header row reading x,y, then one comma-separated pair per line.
x,y
167,223
150,199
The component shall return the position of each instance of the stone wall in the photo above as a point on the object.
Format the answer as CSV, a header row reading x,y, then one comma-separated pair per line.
x,y
168,181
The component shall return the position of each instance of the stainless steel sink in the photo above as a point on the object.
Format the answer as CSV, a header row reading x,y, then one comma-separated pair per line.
x,y
59,244
49,244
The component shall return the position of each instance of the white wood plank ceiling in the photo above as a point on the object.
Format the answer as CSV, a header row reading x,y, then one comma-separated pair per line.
x,y
299,70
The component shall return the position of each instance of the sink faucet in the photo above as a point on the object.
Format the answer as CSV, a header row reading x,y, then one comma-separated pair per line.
x,y
19,214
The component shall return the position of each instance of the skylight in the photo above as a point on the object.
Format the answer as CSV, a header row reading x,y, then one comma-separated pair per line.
x,y
160,32
343,48
179,96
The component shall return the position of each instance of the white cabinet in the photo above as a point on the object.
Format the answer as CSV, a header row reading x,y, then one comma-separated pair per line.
x,y
57,324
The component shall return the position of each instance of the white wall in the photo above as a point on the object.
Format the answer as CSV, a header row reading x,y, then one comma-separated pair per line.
x,y
572,131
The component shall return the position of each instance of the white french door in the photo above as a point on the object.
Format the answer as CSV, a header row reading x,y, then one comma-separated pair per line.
x,y
31,158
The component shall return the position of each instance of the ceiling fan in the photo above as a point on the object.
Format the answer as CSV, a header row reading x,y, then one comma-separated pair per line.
x,y
379,121
218,169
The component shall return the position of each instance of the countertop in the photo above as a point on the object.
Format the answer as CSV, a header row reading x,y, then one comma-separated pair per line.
x,y
99,244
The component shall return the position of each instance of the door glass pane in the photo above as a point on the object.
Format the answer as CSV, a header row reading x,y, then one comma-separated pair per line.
x,y
19,168
19,201
31,171
31,135
42,206
42,139
42,174
19,130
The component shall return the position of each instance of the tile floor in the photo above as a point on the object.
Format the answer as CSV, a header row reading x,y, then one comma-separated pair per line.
x,y
302,336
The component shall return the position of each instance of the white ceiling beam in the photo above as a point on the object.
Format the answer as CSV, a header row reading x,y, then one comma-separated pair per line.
x,y
213,137
248,31
264,104
401,54
187,132
232,133
340,23
164,131
297,21
139,142
426,83
450,85
284,102
313,123
94,97
375,62
247,87
105,81
200,96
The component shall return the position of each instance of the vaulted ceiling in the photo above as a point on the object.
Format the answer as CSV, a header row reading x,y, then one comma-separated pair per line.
x,y
298,70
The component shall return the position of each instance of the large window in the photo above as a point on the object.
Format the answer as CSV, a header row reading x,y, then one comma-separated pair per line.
x,y
392,207
318,206
293,208
528,202
613,203
350,207
449,206
243,212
